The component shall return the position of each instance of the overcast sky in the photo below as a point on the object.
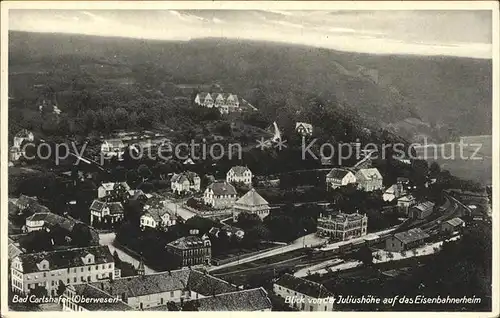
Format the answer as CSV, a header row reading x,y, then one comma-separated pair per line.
x,y
458,33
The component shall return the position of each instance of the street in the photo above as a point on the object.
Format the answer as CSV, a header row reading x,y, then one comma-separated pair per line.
x,y
108,239
182,212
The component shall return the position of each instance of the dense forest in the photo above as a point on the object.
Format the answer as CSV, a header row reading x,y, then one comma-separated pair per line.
x,y
101,84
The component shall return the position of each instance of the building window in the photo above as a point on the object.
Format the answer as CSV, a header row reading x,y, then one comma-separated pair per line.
x,y
171,294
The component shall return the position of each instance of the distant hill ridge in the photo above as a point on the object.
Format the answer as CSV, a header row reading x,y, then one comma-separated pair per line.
x,y
448,94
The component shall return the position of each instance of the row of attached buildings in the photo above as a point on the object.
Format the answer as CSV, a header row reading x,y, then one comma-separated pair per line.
x,y
224,102
90,272
182,289
71,266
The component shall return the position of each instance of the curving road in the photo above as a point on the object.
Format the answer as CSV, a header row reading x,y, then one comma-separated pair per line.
x,y
108,239
182,212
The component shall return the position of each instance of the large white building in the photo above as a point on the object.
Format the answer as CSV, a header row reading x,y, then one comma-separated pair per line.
x,y
158,218
316,296
71,266
239,174
342,227
220,195
185,182
252,203
112,188
369,179
108,212
224,102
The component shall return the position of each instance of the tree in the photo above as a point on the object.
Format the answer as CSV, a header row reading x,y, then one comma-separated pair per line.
x,y
37,241
58,234
248,220
80,235
364,255
119,193
223,128
144,172
39,291
119,174
190,306
161,169
434,169
132,177
132,211
146,187
61,288
256,234
171,306
420,169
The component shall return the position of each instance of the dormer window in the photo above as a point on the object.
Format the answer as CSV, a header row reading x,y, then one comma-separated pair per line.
x,y
88,259
43,265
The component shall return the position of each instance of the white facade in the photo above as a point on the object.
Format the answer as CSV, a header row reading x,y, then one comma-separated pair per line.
x,y
239,174
342,226
369,179
113,147
224,102
22,282
185,182
147,220
107,188
333,182
34,225
309,303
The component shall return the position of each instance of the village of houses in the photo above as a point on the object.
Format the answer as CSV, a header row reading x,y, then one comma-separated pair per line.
x,y
195,282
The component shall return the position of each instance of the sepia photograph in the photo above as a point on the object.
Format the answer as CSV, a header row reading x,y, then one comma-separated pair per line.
x,y
230,156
